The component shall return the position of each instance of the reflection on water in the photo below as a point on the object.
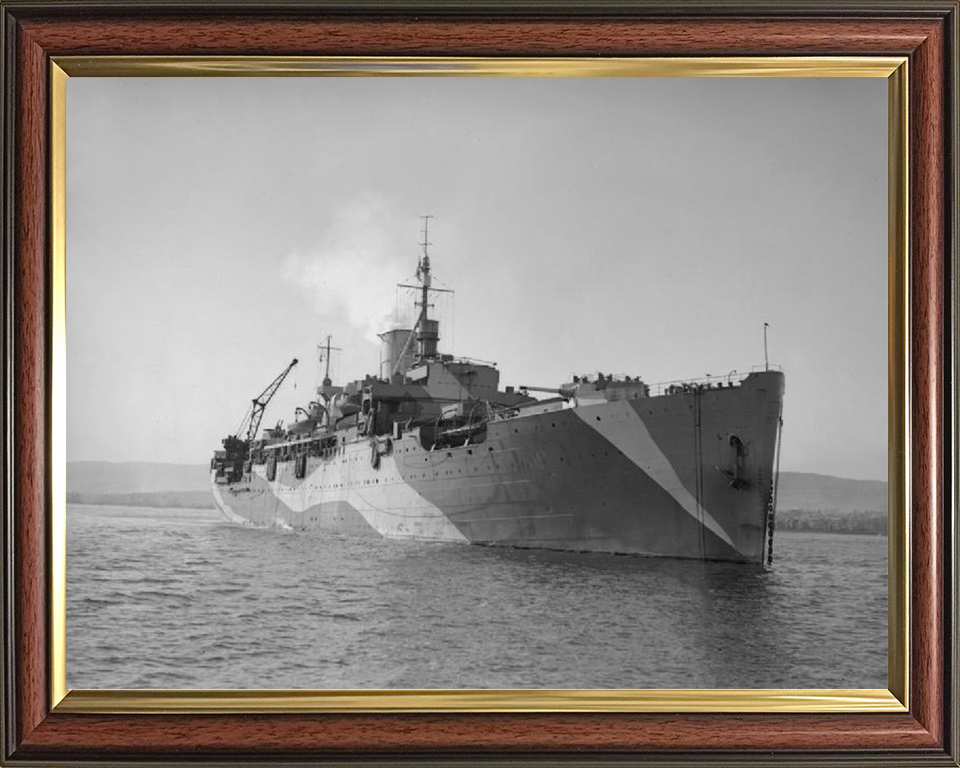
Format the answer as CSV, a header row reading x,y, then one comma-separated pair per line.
x,y
180,599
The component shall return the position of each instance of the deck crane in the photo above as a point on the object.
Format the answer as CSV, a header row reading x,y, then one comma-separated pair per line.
x,y
260,402
230,464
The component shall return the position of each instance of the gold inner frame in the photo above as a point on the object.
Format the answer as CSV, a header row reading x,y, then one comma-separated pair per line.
x,y
894,69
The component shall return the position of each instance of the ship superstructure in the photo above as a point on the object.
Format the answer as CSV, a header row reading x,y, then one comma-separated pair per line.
x,y
432,448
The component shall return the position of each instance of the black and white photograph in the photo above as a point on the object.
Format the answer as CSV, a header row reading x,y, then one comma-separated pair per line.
x,y
477,383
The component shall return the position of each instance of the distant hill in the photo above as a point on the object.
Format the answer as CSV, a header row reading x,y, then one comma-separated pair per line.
x,y
166,485
155,499
807,491
94,477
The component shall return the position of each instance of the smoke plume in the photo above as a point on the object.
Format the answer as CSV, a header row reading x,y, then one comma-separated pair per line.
x,y
364,249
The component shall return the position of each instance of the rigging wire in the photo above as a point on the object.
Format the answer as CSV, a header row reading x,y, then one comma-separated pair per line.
x,y
244,420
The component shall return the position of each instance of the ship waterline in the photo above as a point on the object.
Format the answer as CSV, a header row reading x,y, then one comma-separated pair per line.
x,y
688,474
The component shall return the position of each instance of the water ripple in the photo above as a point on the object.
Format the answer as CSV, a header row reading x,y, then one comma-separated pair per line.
x,y
161,600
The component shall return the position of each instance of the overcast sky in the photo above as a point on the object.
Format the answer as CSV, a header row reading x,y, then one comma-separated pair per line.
x,y
217,228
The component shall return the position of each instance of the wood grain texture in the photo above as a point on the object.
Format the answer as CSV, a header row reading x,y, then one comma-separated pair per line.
x,y
292,735
30,355
917,736
927,264
443,36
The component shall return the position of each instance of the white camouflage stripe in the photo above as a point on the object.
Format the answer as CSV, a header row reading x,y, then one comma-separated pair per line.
x,y
623,427
391,506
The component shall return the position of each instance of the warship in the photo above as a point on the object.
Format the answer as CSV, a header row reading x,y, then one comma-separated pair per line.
x,y
431,448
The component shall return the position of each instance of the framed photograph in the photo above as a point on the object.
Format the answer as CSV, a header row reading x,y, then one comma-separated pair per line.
x,y
429,383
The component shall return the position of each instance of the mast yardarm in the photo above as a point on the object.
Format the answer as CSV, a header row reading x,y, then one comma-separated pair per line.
x,y
427,331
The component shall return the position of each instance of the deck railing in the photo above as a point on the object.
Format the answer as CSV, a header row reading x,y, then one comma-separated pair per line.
x,y
707,381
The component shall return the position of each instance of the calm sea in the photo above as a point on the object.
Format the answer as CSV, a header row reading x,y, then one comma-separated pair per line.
x,y
182,599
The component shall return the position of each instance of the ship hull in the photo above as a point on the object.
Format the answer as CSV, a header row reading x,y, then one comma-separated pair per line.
x,y
687,475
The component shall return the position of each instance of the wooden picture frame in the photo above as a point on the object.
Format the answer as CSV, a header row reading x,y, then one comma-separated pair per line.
x,y
38,729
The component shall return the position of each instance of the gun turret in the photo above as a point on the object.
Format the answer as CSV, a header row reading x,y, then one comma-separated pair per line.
x,y
566,392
